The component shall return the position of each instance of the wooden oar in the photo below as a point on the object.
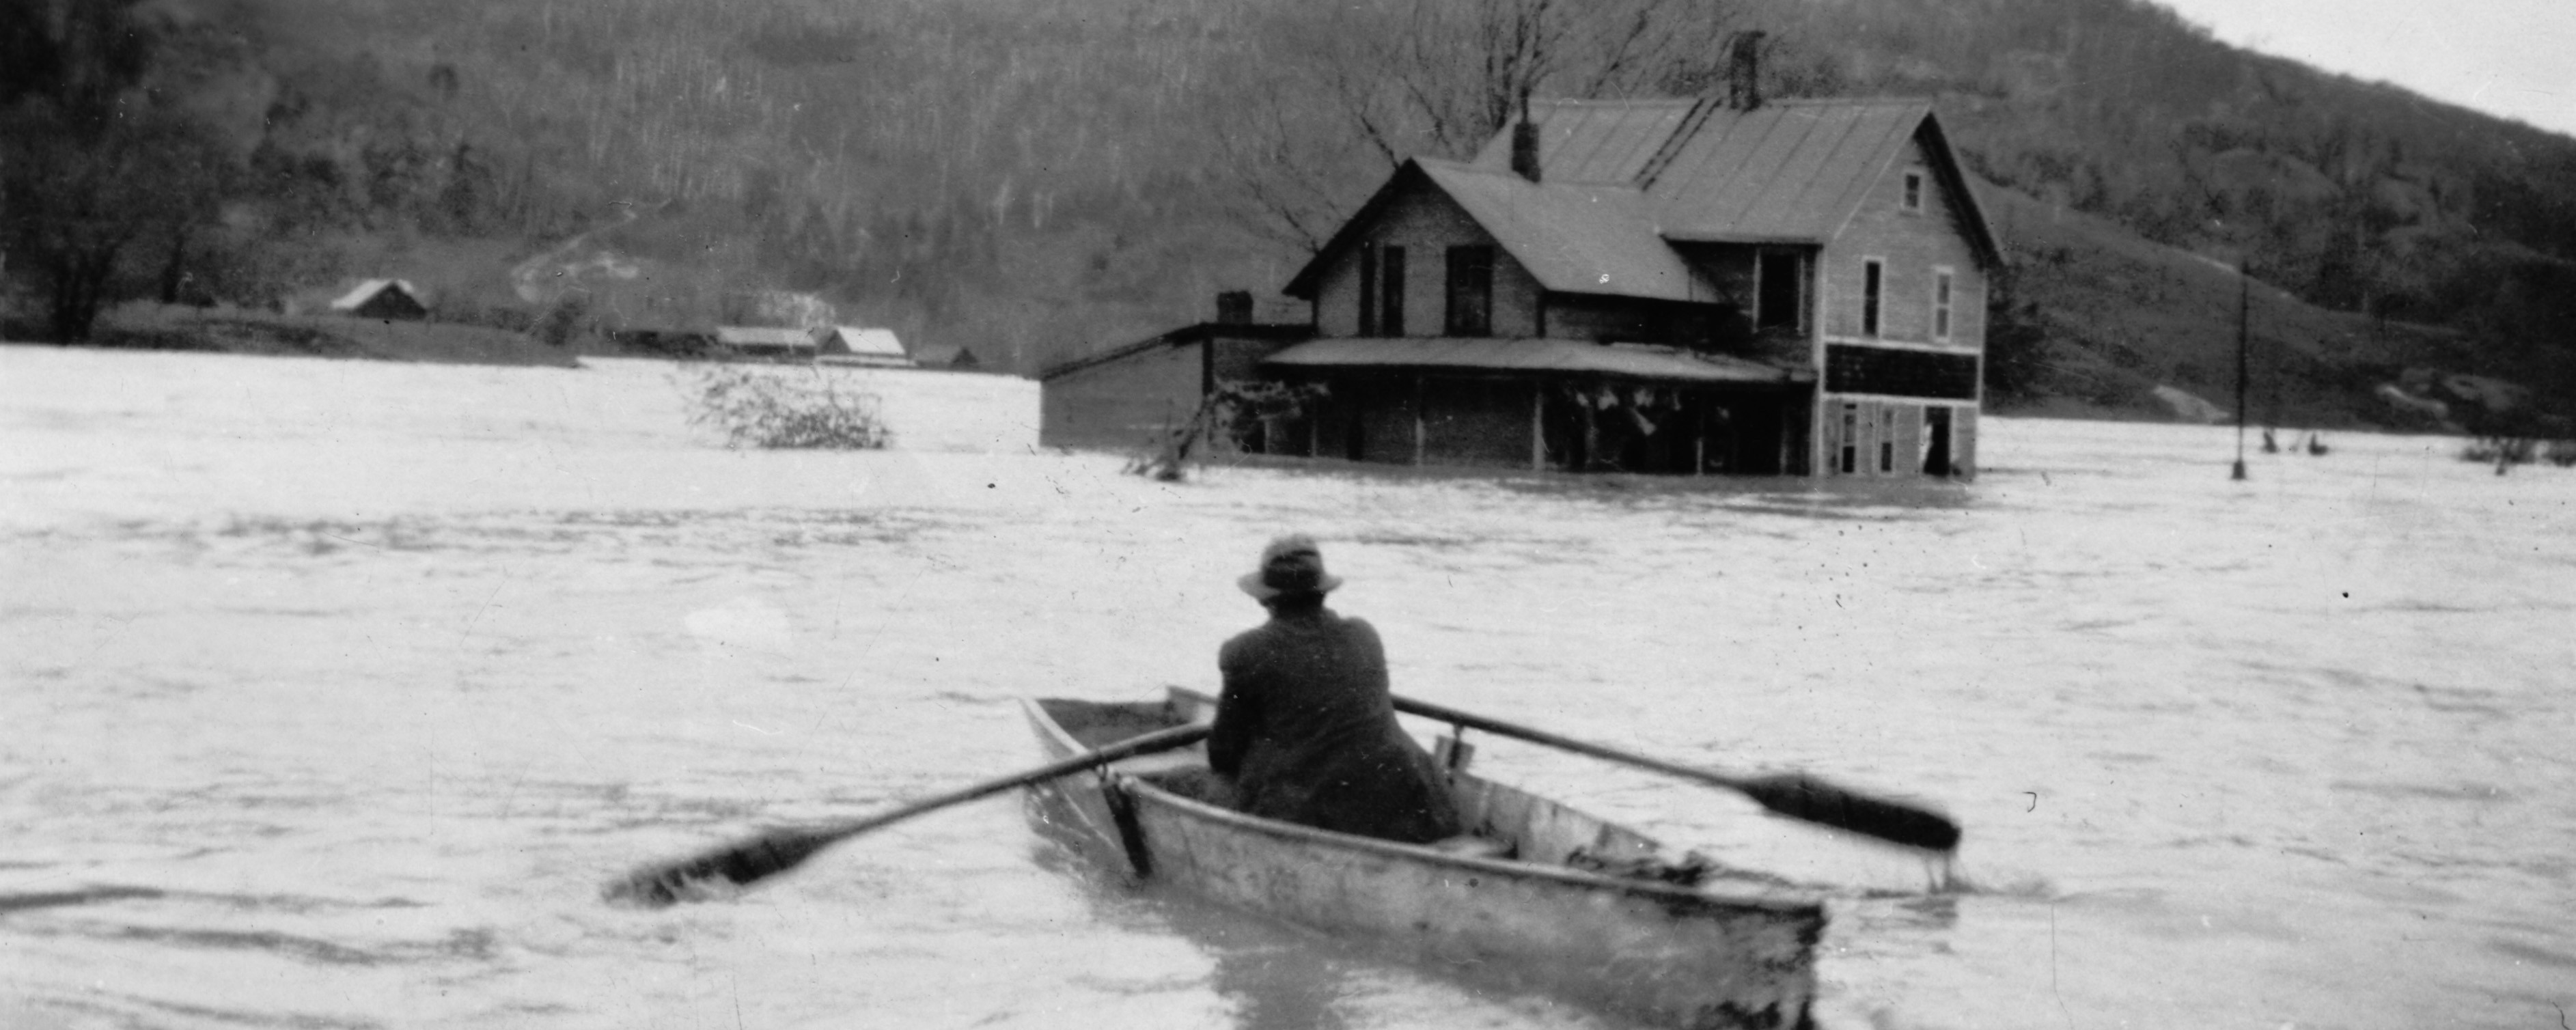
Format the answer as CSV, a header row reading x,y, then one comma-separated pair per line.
x,y
780,850
1796,795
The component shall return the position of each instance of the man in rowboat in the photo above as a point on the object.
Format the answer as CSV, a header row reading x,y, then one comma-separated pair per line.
x,y
1305,727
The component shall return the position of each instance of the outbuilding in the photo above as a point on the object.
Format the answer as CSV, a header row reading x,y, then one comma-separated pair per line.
x,y
849,344
383,299
765,341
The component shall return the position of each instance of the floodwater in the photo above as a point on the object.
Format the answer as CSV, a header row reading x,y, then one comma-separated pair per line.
x,y
334,691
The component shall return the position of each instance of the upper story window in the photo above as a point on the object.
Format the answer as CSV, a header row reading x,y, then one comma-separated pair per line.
x,y
1873,286
1914,191
1942,291
1368,289
1471,291
1381,290
1779,293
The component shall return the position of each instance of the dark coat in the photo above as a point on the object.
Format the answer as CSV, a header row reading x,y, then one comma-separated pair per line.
x,y
1306,729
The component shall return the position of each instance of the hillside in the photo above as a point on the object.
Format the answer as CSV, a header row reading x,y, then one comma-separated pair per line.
x,y
1041,178
2123,315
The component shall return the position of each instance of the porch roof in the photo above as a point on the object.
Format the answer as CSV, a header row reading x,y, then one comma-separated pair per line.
x,y
1563,357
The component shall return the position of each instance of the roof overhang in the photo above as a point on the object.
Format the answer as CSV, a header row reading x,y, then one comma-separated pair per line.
x,y
1533,357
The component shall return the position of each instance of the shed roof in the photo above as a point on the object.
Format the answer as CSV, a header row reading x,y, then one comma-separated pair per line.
x,y
880,343
1626,361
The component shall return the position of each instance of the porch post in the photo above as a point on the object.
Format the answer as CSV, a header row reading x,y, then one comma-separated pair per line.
x,y
1538,426
1418,431
1699,442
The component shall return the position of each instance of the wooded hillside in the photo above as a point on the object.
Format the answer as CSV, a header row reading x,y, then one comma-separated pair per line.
x,y
1039,178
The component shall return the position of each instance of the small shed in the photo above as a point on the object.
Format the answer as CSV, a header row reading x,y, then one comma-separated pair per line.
x,y
849,344
381,298
765,341
1121,395
941,356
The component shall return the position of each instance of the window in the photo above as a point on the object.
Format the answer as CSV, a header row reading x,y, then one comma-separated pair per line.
x,y
1471,291
1873,280
1941,280
1851,439
1913,191
1390,291
1778,299
1368,289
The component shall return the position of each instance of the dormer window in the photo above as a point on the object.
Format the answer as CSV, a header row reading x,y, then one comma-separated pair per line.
x,y
1914,191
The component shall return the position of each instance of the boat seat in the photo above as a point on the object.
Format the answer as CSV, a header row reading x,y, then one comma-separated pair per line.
x,y
1472,846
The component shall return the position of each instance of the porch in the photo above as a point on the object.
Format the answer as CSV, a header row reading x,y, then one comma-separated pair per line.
x,y
1541,405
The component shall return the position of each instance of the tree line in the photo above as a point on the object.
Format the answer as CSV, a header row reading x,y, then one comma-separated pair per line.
x,y
1066,174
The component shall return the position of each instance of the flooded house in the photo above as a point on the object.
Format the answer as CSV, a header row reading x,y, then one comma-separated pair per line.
x,y
1712,285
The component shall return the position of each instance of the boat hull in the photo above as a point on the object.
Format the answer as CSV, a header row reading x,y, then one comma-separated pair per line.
x,y
1732,955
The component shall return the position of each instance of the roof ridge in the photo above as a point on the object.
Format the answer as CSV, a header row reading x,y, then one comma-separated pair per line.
x,y
1889,100
1612,102
1583,185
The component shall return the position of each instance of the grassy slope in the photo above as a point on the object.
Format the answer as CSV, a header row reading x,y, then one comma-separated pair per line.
x,y
2126,314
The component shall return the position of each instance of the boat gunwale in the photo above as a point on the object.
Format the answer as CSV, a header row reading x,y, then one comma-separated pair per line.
x,y
1730,894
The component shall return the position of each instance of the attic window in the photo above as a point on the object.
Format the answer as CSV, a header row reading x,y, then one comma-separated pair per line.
x,y
1914,190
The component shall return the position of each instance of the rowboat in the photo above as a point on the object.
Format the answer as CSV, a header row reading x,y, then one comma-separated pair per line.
x,y
1542,895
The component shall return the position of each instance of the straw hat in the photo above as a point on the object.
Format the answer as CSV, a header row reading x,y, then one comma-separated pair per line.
x,y
1290,565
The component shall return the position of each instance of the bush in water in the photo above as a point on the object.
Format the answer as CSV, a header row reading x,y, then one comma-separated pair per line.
x,y
772,407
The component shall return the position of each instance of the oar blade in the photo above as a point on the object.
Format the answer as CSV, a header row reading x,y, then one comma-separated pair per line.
x,y
1804,797
739,864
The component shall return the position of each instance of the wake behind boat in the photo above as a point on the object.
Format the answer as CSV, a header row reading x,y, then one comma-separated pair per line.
x,y
1566,902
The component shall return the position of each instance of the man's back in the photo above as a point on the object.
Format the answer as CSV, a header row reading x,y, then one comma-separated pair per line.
x,y
1306,728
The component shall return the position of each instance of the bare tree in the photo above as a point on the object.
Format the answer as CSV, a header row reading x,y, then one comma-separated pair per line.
x,y
1375,83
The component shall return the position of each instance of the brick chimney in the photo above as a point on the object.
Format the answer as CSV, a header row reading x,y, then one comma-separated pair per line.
x,y
1234,307
1744,71
1525,143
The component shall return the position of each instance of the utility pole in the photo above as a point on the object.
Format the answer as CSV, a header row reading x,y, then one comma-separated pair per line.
x,y
2244,304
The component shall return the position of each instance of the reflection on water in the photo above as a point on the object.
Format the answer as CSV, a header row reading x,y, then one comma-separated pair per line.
x,y
1275,978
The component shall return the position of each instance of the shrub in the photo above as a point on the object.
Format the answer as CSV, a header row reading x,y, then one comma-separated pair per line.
x,y
781,408
2503,452
1233,413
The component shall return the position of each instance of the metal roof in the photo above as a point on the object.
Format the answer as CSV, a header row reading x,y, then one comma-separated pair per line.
x,y
1622,180
1572,238
1782,171
1791,171
1572,357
